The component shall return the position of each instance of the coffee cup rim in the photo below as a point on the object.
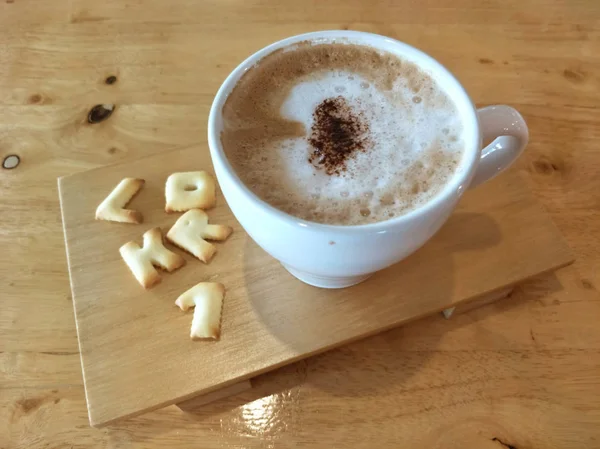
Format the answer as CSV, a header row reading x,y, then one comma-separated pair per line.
x,y
455,187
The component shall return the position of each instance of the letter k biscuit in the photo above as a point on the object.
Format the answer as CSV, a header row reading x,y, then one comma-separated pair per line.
x,y
141,260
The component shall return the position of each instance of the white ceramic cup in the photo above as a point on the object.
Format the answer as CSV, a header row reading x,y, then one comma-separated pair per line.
x,y
339,256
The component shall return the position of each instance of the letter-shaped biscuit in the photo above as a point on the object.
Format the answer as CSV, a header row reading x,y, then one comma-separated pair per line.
x,y
141,261
207,298
190,190
190,231
113,207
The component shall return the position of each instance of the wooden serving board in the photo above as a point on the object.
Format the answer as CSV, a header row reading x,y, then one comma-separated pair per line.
x,y
135,351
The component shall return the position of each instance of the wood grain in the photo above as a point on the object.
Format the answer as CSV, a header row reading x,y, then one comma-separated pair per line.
x,y
269,318
434,383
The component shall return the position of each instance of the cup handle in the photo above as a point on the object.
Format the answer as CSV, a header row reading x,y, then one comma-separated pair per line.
x,y
510,135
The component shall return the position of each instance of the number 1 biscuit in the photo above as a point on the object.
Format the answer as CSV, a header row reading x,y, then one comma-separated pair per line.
x,y
207,300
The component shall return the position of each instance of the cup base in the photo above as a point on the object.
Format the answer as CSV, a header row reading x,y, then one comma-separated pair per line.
x,y
326,281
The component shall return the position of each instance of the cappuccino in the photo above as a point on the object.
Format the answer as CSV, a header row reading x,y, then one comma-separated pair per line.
x,y
339,133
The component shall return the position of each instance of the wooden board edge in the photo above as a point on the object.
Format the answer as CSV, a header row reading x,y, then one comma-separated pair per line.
x,y
203,399
480,301
59,182
99,424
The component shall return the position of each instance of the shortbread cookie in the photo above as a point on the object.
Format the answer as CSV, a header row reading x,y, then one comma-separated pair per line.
x,y
113,207
141,261
207,298
190,190
190,231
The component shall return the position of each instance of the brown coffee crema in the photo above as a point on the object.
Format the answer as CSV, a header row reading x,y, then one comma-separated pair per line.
x,y
302,166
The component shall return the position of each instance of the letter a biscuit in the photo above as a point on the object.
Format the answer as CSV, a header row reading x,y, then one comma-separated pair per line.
x,y
191,229
113,207
141,260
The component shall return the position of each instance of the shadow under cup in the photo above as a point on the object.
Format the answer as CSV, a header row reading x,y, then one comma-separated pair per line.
x,y
336,256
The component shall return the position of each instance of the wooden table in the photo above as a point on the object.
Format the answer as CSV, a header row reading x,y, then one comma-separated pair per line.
x,y
522,373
